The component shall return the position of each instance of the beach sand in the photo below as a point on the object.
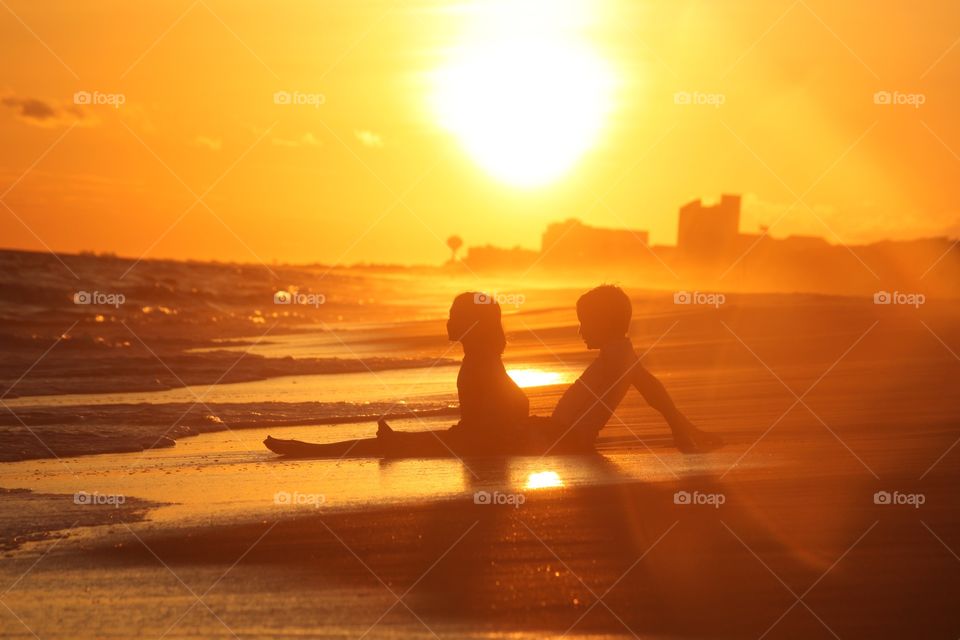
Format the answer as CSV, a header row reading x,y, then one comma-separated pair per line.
x,y
823,402
620,559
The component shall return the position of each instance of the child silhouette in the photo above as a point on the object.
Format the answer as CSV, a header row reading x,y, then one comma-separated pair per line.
x,y
588,404
491,404
493,409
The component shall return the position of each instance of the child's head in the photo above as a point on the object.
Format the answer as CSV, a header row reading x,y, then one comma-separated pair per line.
x,y
604,313
475,322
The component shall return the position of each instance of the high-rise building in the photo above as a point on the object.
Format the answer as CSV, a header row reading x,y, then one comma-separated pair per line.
x,y
709,232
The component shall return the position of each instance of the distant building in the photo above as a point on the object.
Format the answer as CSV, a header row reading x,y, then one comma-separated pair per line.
x,y
804,243
491,258
572,244
712,253
709,232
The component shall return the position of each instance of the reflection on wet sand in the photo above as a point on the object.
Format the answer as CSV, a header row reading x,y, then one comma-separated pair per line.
x,y
226,475
543,479
526,378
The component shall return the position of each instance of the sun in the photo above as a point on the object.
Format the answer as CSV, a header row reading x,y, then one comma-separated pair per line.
x,y
525,107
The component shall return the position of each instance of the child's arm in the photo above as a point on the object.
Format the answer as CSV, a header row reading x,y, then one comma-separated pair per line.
x,y
686,435
655,394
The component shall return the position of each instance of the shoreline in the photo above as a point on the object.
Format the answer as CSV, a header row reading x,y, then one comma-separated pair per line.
x,y
65,444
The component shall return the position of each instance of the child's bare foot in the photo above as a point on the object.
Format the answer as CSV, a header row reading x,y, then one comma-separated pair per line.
x,y
384,430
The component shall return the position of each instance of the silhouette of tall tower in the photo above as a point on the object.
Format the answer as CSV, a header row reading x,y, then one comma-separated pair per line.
x,y
709,233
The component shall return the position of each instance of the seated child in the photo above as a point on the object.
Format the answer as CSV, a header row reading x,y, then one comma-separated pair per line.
x,y
491,403
588,404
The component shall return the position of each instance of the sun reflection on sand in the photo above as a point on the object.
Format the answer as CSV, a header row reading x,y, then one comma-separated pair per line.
x,y
526,378
543,480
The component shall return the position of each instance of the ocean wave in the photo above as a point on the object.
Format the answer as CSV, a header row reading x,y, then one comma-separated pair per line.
x,y
49,432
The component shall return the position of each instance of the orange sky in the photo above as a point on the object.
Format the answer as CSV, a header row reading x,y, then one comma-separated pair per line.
x,y
372,175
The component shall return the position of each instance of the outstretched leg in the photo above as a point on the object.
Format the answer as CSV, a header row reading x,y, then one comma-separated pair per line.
x,y
365,448
687,437
419,444
387,444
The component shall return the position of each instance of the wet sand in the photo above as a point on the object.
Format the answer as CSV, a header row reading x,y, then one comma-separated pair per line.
x,y
620,559
784,534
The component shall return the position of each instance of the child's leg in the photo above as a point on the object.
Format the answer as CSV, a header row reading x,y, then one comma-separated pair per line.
x,y
365,448
543,435
415,443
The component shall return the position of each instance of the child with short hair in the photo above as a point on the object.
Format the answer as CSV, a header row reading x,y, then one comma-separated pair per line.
x,y
588,404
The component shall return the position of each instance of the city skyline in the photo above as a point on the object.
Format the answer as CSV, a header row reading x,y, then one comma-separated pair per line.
x,y
713,250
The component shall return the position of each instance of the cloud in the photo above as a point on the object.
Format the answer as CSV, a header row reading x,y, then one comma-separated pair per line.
x,y
213,144
31,108
306,140
369,138
41,113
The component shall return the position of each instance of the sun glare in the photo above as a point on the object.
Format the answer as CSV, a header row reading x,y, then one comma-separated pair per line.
x,y
525,101
535,377
543,480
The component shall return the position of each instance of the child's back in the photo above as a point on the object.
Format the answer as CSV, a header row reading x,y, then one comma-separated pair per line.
x,y
587,405
489,398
